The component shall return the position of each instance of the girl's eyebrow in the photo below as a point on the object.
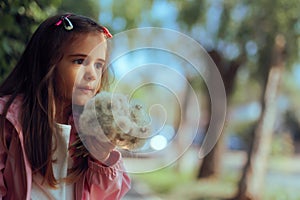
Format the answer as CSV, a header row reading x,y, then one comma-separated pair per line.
x,y
84,55
100,59
77,55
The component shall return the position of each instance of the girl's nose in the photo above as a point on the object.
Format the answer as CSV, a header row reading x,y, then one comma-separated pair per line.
x,y
90,73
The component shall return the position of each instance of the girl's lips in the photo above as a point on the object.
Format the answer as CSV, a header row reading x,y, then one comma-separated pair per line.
x,y
86,90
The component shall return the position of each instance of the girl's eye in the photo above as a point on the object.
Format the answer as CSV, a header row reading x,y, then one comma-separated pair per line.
x,y
99,65
78,61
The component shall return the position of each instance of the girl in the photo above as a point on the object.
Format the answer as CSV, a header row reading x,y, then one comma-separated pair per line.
x,y
41,156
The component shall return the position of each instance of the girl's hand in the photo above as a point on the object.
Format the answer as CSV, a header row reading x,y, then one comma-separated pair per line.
x,y
99,148
96,144
96,148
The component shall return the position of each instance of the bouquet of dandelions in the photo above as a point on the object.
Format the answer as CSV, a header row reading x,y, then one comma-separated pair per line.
x,y
125,125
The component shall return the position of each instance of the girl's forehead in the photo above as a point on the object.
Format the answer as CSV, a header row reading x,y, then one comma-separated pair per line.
x,y
86,43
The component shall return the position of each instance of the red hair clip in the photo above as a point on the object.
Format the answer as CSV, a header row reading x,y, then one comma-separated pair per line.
x,y
66,22
106,32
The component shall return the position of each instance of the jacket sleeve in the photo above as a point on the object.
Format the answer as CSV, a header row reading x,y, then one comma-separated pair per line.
x,y
8,127
3,156
107,182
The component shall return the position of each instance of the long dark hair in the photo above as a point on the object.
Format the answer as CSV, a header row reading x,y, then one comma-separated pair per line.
x,y
33,79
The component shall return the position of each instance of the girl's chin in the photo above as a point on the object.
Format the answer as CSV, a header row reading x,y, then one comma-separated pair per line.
x,y
80,101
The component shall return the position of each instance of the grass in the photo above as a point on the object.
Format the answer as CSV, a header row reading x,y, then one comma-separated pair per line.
x,y
171,184
164,180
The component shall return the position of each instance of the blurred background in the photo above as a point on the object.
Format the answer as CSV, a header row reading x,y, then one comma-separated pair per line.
x,y
255,45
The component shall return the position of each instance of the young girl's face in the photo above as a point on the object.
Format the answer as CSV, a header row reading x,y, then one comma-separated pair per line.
x,y
78,76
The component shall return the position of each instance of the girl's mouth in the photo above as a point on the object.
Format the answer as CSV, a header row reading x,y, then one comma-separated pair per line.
x,y
86,90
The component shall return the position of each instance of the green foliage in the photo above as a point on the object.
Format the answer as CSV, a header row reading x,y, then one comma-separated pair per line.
x,y
282,145
291,90
191,12
241,22
19,19
271,18
90,8
251,94
130,10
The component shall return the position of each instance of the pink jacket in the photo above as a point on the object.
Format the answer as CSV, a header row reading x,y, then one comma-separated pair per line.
x,y
98,182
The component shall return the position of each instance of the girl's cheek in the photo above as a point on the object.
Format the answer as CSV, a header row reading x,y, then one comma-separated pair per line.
x,y
98,86
78,77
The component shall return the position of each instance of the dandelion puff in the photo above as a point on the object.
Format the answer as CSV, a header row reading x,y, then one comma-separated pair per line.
x,y
124,124
139,115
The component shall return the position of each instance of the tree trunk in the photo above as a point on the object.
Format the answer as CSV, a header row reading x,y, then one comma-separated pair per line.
x,y
211,164
210,167
252,180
